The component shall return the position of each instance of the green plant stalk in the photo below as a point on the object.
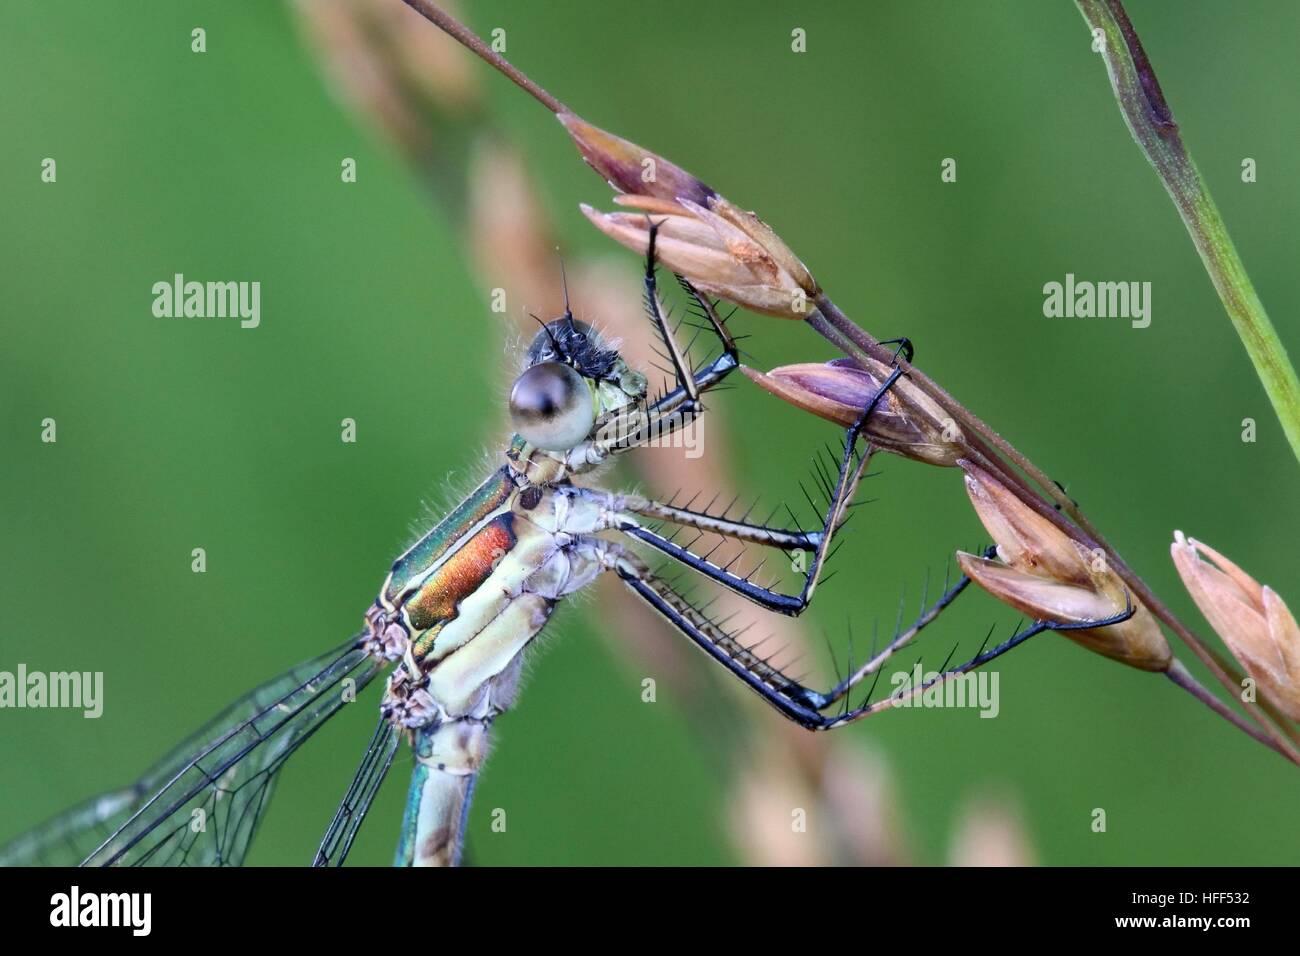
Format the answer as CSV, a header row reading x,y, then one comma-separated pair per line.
x,y
1151,122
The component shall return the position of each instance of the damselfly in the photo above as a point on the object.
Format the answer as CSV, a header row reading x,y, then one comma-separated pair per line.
x,y
459,608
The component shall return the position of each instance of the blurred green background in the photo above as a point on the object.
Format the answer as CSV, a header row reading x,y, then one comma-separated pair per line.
x,y
176,434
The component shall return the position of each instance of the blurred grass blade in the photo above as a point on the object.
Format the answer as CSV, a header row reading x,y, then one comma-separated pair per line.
x,y
1151,122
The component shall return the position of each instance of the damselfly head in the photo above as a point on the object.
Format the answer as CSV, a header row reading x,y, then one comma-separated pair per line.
x,y
572,378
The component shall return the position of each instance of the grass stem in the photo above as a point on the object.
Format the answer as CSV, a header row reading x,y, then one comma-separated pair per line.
x,y
1151,122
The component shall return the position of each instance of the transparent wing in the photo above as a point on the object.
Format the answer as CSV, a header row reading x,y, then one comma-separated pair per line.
x,y
356,802
200,805
65,839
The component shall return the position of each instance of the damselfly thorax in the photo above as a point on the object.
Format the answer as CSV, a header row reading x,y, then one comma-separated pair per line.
x,y
460,604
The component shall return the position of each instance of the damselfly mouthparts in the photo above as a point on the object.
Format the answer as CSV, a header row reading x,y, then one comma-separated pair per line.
x,y
459,608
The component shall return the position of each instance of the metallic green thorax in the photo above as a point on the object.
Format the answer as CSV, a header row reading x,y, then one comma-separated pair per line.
x,y
488,498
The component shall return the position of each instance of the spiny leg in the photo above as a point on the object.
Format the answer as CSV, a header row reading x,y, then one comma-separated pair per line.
x,y
671,411
852,466
831,722
788,696
904,348
724,646
818,543
681,367
902,637
625,506
785,693
680,404
690,385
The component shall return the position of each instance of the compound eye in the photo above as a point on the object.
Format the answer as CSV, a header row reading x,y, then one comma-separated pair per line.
x,y
551,407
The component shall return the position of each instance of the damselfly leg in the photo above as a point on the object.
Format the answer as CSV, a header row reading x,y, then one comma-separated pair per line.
x,y
788,696
633,426
852,467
